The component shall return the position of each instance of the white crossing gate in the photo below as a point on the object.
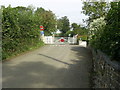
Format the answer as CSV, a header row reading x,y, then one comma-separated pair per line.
x,y
48,40
56,40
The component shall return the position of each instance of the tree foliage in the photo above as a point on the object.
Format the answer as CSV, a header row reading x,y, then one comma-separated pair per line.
x,y
79,29
47,19
108,37
95,10
96,29
63,25
20,28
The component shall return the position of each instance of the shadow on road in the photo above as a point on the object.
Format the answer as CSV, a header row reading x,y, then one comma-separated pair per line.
x,y
41,75
54,59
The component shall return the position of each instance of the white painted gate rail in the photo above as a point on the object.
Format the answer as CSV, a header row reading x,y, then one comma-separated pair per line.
x,y
55,40
48,40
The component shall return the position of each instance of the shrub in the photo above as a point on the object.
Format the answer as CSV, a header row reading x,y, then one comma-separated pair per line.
x,y
107,37
20,29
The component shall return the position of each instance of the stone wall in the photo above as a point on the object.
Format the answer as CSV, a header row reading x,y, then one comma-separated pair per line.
x,y
106,73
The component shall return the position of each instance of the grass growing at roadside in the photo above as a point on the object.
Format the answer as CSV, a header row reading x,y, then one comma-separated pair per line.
x,y
28,48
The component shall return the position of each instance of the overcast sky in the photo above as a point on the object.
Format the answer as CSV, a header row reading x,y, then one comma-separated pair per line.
x,y
70,8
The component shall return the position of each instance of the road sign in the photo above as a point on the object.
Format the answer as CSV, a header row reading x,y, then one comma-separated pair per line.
x,y
41,28
42,32
62,40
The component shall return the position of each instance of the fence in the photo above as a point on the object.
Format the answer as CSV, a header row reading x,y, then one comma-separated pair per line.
x,y
106,72
48,40
56,40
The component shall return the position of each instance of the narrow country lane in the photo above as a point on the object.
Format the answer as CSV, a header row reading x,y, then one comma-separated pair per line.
x,y
61,66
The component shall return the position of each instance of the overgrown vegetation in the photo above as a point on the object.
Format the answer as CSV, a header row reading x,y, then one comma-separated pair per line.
x,y
104,31
20,28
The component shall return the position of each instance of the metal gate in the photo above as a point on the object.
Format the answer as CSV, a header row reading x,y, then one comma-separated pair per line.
x,y
67,40
56,40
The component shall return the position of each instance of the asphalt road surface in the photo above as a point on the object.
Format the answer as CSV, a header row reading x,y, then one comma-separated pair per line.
x,y
51,66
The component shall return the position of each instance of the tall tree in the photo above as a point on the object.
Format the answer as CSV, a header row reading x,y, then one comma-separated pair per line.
x,y
63,25
47,19
95,10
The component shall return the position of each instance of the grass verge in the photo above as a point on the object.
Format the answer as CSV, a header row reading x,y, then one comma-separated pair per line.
x,y
21,52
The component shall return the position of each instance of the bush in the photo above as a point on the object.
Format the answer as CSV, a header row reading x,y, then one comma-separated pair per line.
x,y
107,38
20,29
83,37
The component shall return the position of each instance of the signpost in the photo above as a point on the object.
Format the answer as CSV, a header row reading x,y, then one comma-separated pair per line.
x,y
41,28
42,32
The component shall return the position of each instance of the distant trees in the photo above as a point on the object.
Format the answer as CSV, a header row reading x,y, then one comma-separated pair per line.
x,y
66,29
79,29
63,25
